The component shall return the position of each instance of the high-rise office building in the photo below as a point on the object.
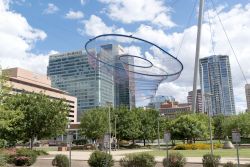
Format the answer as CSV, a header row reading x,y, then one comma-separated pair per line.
x,y
247,88
198,100
216,81
92,82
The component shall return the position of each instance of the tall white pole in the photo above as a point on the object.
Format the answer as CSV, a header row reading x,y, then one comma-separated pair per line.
x,y
197,55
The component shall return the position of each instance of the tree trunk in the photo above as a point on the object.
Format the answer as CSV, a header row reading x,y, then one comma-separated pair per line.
x,y
133,141
31,142
144,142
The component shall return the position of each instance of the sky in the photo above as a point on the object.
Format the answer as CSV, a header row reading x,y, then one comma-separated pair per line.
x,y
30,31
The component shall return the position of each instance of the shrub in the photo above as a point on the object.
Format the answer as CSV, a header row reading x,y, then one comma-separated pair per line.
x,y
40,152
22,160
30,154
229,164
80,142
77,148
197,146
174,160
3,143
211,160
3,160
89,147
138,160
60,161
100,159
9,155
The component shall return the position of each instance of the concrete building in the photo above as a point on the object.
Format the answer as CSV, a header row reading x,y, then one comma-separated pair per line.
x,y
157,101
93,83
216,79
24,81
198,100
247,88
171,109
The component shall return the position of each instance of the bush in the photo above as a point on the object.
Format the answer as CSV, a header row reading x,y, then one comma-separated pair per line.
x,y
77,148
60,161
3,160
80,142
30,154
211,161
229,164
40,152
89,147
100,159
3,143
174,160
138,160
197,146
9,155
22,160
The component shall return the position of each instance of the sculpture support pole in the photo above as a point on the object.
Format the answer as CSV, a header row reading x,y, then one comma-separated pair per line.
x,y
197,55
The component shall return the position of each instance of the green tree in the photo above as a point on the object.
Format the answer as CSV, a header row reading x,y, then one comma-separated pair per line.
x,y
10,125
4,87
149,124
218,126
240,122
128,124
94,123
43,117
190,127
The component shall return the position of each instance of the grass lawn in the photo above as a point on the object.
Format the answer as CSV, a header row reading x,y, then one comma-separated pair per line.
x,y
244,153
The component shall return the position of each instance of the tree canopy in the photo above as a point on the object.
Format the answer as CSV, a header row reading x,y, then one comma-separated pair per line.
x,y
190,127
43,117
94,123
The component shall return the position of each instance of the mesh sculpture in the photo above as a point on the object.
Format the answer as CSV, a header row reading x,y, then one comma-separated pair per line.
x,y
132,63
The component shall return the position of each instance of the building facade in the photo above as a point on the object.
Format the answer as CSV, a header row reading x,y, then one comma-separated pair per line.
x,y
247,89
199,106
157,101
92,82
216,80
24,81
171,109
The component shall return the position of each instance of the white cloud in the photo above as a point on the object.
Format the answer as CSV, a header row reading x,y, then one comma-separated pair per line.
x,y
74,15
17,41
95,26
236,23
52,8
130,11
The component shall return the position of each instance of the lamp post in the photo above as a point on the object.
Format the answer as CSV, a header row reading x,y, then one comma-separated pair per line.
x,y
69,143
208,108
109,107
158,131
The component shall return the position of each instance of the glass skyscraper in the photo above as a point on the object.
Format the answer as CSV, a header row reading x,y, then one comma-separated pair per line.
x,y
216,79
91,82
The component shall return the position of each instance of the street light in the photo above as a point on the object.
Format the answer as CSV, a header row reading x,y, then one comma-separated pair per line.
x,y
109,105
69,139
208,107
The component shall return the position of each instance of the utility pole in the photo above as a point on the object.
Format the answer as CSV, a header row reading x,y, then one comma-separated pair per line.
x,y
197,55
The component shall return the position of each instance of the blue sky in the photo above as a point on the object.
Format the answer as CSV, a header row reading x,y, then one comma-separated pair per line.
x,y
62,34
31,30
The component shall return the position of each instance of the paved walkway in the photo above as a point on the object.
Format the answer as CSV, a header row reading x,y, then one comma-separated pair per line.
x,y
117,155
